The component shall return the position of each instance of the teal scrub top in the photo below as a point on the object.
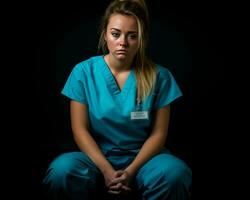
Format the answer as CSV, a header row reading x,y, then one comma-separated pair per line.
x,y
92,83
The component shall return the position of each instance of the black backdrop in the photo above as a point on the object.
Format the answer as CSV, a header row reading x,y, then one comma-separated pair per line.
x,y
189,40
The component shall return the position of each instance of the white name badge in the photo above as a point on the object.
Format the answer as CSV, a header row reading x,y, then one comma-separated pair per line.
x,y
139,115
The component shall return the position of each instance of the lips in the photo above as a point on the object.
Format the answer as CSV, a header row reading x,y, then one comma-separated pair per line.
x,y
122,51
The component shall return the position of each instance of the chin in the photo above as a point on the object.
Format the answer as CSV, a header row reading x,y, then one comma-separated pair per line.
x,y
121,57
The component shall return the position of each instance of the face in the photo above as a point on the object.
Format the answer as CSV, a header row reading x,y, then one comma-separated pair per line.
x,y
122,36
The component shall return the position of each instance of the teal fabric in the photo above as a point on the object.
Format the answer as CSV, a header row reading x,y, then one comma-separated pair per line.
x,y
92,83
74,176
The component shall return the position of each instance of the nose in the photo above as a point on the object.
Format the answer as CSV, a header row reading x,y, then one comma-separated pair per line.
x,y
123,41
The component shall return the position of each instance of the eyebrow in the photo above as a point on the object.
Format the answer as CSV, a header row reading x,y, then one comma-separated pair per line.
x,y
120,30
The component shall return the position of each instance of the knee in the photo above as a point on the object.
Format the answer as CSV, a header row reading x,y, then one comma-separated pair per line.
x,y
164,177
59,169
178,175
171,175
62,165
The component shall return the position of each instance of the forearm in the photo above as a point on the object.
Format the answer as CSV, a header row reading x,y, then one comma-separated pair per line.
x,y
84,140
87,144
151,147
155,142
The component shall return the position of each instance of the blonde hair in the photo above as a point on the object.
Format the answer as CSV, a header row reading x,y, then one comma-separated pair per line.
x,y
145,69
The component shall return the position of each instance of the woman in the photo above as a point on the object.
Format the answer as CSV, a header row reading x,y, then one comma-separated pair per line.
x,y
120,109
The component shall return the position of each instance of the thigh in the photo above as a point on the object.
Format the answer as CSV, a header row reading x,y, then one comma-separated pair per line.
x,y
72,175
71,167
165,167
73,161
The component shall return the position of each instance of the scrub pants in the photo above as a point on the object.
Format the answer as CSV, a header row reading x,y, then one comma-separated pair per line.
x,y
74,176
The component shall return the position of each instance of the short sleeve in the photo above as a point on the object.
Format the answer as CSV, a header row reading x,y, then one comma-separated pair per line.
x,y
167,89
74,87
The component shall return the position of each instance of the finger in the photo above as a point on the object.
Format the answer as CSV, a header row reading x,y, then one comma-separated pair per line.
x,y
114,182
119,173
120,188
114,191
126,188
117,180
116,187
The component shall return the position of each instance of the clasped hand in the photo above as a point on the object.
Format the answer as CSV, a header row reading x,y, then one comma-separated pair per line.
x,y
118,182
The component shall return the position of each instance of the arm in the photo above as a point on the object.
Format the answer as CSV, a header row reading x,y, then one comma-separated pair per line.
x,y
80,128
154,143
86,143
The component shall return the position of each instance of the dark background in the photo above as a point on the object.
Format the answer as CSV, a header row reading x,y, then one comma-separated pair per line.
x,y
189,39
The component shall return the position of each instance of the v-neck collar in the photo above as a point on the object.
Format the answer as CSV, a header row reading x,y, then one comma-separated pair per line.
x,y
111,82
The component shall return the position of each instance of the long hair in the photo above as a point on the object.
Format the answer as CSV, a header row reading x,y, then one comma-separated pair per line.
x,y
145,69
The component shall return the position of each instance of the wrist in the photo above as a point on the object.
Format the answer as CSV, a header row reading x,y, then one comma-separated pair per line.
x,y
107,169
130,171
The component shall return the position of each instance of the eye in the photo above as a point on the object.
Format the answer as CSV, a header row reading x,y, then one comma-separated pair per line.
x,y
116,35
133,36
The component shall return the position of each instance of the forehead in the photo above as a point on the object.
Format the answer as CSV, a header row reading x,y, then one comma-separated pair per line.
x,y
123,22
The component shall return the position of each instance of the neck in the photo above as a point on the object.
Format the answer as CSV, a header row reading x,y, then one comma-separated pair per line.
x,y
117,66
